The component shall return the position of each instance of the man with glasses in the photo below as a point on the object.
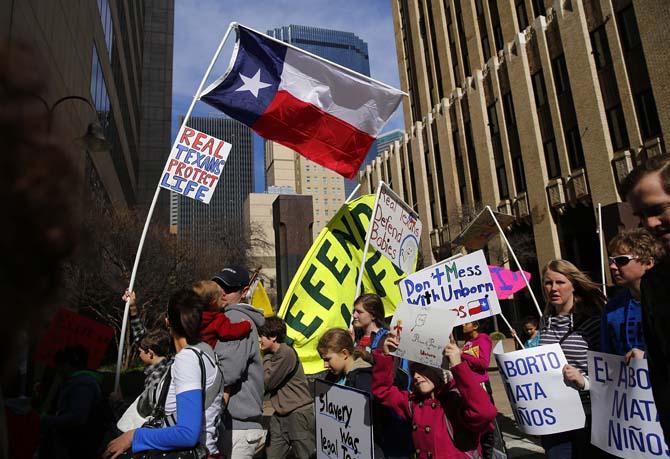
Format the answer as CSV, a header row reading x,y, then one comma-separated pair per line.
x,y
242,370
633,253
647,189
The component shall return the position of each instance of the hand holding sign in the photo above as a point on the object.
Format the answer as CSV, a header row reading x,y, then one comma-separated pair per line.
x,y
453,353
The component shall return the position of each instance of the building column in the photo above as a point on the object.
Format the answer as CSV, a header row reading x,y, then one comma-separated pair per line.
x,y
422,206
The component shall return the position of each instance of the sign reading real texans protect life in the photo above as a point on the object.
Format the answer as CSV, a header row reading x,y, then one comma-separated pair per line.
x,y
462,285
195,164
395,230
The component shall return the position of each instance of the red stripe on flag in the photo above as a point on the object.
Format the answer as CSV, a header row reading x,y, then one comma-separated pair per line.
x,y
315,134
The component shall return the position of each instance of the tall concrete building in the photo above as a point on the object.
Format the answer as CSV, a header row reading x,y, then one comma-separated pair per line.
x,y
109,53
201,224
328,189
535,108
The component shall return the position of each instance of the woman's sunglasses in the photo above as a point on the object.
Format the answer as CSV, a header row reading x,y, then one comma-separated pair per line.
x,y
622,260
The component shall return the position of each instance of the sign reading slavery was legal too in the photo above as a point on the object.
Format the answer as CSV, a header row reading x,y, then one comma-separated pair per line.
x,y
625,420
343,422
395,230
541,401
463,285
195,164
423,332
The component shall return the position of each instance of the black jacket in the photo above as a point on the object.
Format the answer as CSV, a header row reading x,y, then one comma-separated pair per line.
x,y
656,326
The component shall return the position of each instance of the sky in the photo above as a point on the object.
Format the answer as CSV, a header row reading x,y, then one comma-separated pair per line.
x,y
200,25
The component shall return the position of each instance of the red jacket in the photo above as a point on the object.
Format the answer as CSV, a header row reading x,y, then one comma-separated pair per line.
x,y
477,354
216,326
465,403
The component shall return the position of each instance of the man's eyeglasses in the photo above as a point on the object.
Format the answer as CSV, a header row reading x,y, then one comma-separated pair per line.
x,y
228,289
622,260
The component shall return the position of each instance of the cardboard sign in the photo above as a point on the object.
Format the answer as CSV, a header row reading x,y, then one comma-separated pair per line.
x,y
395,230
195,164
343,422
625,421
423,332
322,292
68,328
482,228
541,401
463,286
506,281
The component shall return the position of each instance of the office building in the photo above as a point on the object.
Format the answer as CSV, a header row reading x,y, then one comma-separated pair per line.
x,y
107,53
536,108
328,189
201,225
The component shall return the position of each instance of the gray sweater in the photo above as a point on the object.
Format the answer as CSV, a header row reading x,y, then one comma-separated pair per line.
x,y
243,370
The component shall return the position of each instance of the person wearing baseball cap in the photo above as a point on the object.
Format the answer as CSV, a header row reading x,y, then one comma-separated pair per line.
x,y
242,369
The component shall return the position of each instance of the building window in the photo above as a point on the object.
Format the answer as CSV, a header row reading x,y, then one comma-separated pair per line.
x,y
647,115
494,128
551,158
575,150
630,35
521,14
514,143
546,127
539,89
538,8
472,162
561,78
461,37
566,107
600,46
99,94
495,25
107,26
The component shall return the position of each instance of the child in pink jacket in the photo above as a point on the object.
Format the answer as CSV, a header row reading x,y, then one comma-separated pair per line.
x,y
447,418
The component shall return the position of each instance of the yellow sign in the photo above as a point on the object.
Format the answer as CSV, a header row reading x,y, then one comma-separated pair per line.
x,y
321,294
260,300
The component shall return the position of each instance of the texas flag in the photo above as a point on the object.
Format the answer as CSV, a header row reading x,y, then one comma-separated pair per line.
x,y
326,113
477,306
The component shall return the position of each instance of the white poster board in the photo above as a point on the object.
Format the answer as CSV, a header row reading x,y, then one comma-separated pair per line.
x,y
395,230
623,409
195,163
462,285
343,422
541,401
423,332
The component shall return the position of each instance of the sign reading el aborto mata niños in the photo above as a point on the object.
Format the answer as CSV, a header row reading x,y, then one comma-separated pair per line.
x,y
625,420
322,291
343,422
195,164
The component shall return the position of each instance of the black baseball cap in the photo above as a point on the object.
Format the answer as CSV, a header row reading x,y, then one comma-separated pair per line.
x,y
232,276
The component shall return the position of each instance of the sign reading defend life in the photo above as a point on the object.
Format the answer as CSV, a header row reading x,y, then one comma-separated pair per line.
x,y
195,164
462,285
395,230
343,422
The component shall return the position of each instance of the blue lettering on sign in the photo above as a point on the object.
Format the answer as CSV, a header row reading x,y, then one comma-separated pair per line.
x,y
631,438
530,364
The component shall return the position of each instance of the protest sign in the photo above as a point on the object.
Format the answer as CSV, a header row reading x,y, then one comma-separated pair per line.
x,y
195,164
423,332
67,328
321,294
506,281
463,286
541,402
343,422
625,421
395,230
482,228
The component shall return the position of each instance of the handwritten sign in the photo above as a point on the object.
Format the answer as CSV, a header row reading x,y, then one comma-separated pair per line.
x,y
67,328
625,420
343,422
395,230
463,286
423,332
541,402
195,164
506,281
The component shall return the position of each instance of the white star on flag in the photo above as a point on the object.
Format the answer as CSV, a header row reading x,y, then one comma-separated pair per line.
x,y
252,84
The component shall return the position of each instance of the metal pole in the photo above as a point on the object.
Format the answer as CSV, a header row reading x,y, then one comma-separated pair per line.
x,y
353,193
512,330
511,250
602,248
117,377
359,281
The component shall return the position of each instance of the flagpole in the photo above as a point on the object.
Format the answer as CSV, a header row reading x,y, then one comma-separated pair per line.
x,y
341,67
511,250
602,248
353,193
367,241
117,376
512,330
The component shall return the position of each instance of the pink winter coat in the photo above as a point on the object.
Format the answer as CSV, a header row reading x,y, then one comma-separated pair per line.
x,y
465,403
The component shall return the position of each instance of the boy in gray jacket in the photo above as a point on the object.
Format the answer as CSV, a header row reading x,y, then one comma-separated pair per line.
x,y
242,370
292,425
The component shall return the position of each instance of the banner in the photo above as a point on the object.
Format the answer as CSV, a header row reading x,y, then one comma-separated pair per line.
x,y
396,230
462,285
423,332
343,422
195,164
260,299
321,294
541,402
506,281
625,421
67,328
